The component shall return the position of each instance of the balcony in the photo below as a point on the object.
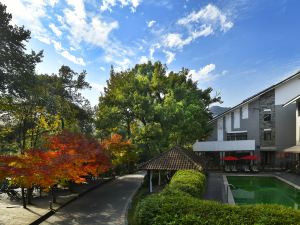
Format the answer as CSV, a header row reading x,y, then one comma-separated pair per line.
x,y
224,146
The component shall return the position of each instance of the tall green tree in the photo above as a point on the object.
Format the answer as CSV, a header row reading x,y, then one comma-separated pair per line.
x,y
154,109
16,65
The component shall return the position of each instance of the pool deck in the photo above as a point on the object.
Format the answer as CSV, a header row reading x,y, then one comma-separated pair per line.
x,y
216,190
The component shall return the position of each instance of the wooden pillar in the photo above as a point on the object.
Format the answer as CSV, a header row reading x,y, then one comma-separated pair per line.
x,y
159,179
150,181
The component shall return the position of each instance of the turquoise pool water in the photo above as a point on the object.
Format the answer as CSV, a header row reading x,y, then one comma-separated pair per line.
x,y
267,190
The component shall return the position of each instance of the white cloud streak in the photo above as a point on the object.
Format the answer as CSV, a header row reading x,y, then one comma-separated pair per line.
x,y
109,4
203,74
55,29
151,23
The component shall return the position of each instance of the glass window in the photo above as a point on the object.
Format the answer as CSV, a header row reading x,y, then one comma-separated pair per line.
x,y
267,135
267,117
236,136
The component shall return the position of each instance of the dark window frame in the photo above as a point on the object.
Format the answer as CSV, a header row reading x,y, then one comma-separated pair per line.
x,y
267,117
237,136
267,135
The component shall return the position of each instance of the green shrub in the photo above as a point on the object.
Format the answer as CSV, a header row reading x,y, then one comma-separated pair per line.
x,y
178,205
189,181
186,210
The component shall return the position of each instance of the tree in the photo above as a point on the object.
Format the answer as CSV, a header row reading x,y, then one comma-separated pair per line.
x,y
65,157
16,66
122,152
154,109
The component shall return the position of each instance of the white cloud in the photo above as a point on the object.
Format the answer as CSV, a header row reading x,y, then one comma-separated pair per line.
x,y
72,58
57,45
151,23
109,4
55,29
152,50
102,68
170,56
203,74
143,59
210,14
29,13
98,87
175,40
203,23
96,32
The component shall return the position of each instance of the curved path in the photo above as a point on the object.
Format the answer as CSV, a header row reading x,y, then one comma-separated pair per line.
x,y
104,205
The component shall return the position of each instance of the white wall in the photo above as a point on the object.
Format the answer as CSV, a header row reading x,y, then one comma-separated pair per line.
x,y
237,118
245,112
287,91
220,129
228,122
297,127
215,146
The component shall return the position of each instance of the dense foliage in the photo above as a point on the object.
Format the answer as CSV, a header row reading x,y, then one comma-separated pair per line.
x,y
123,153
154,108
32,105
67,157
182,208
188,181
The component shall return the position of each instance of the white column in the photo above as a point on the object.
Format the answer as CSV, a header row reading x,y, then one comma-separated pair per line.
x,y
150,182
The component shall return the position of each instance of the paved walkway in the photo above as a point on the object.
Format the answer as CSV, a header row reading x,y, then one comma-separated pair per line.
x,y
105,205
12,212
214,188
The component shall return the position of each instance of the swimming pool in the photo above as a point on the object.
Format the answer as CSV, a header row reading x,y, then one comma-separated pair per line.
x,y
261,189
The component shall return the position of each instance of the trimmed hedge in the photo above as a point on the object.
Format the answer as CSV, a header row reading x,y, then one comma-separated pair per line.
x,y
188,181
178,205
186,210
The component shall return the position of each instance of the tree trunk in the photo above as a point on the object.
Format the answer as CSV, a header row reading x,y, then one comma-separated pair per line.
x,y
29,195
53,194
23,198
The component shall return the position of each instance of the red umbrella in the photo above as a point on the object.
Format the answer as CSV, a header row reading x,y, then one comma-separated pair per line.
x,y
249,157
230,158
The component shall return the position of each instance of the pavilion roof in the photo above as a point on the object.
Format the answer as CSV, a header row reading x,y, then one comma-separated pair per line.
x,y
174,159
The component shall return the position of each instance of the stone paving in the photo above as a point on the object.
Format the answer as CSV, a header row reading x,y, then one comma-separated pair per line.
x,y
103,206
12,212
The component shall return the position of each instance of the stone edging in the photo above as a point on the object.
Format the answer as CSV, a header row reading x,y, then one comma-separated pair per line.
x,y
53,211
230,199
129,202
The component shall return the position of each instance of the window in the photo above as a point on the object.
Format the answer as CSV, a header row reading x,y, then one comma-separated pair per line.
x,y
237,136
267,135
267,117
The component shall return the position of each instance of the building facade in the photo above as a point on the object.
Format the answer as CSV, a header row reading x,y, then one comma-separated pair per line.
x,y
264,124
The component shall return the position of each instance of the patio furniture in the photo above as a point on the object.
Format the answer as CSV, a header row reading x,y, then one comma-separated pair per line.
x,y
246,169
254,169
233,168
227,168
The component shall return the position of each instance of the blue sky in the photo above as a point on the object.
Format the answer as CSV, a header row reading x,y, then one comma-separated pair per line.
x,y
236,47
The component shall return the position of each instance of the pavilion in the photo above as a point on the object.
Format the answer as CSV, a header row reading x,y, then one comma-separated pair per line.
x,y
174,159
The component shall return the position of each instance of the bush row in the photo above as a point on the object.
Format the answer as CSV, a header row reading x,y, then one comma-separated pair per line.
x,y
178,205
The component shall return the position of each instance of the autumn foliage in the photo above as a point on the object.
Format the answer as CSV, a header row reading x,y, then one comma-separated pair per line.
x,y
66,157
122,152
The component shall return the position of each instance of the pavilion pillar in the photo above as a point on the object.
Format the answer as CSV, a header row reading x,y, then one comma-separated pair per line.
x,y
150,181
159,178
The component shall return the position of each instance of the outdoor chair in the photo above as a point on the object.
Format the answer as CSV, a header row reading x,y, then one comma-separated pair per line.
x,y
227,169
233,169
254,169
246,169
